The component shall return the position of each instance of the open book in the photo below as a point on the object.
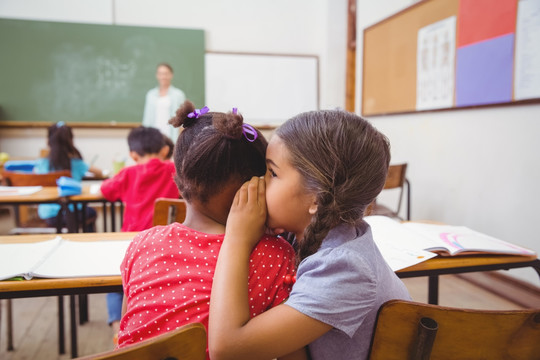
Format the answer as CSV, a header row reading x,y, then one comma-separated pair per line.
x,y
62,258
441,239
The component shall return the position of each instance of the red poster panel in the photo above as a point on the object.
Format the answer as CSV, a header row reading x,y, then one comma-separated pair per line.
x,y
480,20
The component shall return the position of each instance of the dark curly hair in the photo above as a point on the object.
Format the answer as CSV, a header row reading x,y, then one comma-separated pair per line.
x,y
211,151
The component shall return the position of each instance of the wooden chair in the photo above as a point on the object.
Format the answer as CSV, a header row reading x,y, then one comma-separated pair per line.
x,y
396,179
167,211
409,330
26,223
185,343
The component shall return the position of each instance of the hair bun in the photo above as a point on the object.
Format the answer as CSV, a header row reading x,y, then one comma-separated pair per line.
x,y
181,117
229,124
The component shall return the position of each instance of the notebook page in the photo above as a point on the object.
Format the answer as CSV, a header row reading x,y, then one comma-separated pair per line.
x,y
20,259
82,259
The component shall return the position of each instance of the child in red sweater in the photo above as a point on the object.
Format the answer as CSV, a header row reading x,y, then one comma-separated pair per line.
x,y
138,187
167,271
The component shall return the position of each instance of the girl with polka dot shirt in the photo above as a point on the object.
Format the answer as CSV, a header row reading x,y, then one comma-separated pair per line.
x,y
167,271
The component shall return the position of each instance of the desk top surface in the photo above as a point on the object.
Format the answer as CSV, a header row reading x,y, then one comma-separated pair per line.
x,y
50,194
62,283
436,263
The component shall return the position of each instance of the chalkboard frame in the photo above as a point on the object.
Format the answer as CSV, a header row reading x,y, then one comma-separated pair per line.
x,y
184,49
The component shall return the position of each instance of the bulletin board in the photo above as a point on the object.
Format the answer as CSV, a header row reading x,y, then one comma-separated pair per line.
x,y
447,54
267,89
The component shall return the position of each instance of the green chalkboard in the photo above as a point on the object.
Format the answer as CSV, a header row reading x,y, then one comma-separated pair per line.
x,y
52,71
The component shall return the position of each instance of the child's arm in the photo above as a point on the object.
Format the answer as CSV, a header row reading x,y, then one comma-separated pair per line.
x,y
232,334
96,171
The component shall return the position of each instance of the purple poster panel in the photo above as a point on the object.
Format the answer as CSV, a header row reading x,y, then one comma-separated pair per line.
x,y
484,72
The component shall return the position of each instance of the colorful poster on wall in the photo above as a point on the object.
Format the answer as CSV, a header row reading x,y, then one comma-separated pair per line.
x,y
485,54
527,51
435,65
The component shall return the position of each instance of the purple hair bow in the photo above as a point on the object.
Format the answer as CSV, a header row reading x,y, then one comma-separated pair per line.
x,y
249,132
198,112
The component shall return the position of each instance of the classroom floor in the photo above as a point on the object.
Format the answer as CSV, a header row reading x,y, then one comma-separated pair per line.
x,y
35,333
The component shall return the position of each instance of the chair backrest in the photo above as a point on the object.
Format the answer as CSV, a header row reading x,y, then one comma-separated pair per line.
x,y
395,179
185,343
167,211
30,179
409,330
396,176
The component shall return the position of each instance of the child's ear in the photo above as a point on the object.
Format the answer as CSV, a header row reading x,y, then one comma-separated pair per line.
x,y
163,152
313,207
134,156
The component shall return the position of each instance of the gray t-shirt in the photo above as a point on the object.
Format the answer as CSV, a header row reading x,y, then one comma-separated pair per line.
x,y
343,285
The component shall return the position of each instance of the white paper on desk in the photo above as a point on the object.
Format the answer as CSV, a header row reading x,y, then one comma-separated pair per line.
x,y
95,188
82,259
20,259
19,190
400,247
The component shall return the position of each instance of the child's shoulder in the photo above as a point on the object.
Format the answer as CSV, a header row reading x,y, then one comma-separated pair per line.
x,y
274,244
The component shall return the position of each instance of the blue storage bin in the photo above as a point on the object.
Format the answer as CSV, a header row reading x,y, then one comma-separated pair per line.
x,y
68,186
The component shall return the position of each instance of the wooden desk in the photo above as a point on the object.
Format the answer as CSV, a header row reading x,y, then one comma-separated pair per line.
x,y
64,286
49,194
464,263
91,285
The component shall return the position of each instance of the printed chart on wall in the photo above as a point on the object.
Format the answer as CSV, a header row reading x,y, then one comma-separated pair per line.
x,y
435,65
442,54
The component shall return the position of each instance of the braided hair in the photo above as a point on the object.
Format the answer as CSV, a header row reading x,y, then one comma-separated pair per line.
x,y
346,179
212,150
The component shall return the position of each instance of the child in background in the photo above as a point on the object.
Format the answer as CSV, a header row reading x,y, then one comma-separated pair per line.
x,y
167,271
138,187
63,155
324,169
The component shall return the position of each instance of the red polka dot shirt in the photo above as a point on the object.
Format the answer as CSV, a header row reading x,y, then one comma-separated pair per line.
x,y
167,276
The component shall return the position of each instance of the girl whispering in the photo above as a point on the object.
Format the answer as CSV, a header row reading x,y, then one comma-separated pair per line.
x,y
324,169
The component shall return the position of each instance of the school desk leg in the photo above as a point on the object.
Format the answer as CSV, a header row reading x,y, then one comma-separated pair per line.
x,y
83,309
73,324
61,341
9,320
433,289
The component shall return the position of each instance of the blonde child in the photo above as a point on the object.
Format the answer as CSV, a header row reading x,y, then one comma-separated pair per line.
x,y
324,169
168,270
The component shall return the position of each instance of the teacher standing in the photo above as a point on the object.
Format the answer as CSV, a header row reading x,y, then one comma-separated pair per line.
x,y
162,102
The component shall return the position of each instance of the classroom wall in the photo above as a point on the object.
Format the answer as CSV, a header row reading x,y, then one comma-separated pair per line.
x,y
467,167
477,167
308,27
